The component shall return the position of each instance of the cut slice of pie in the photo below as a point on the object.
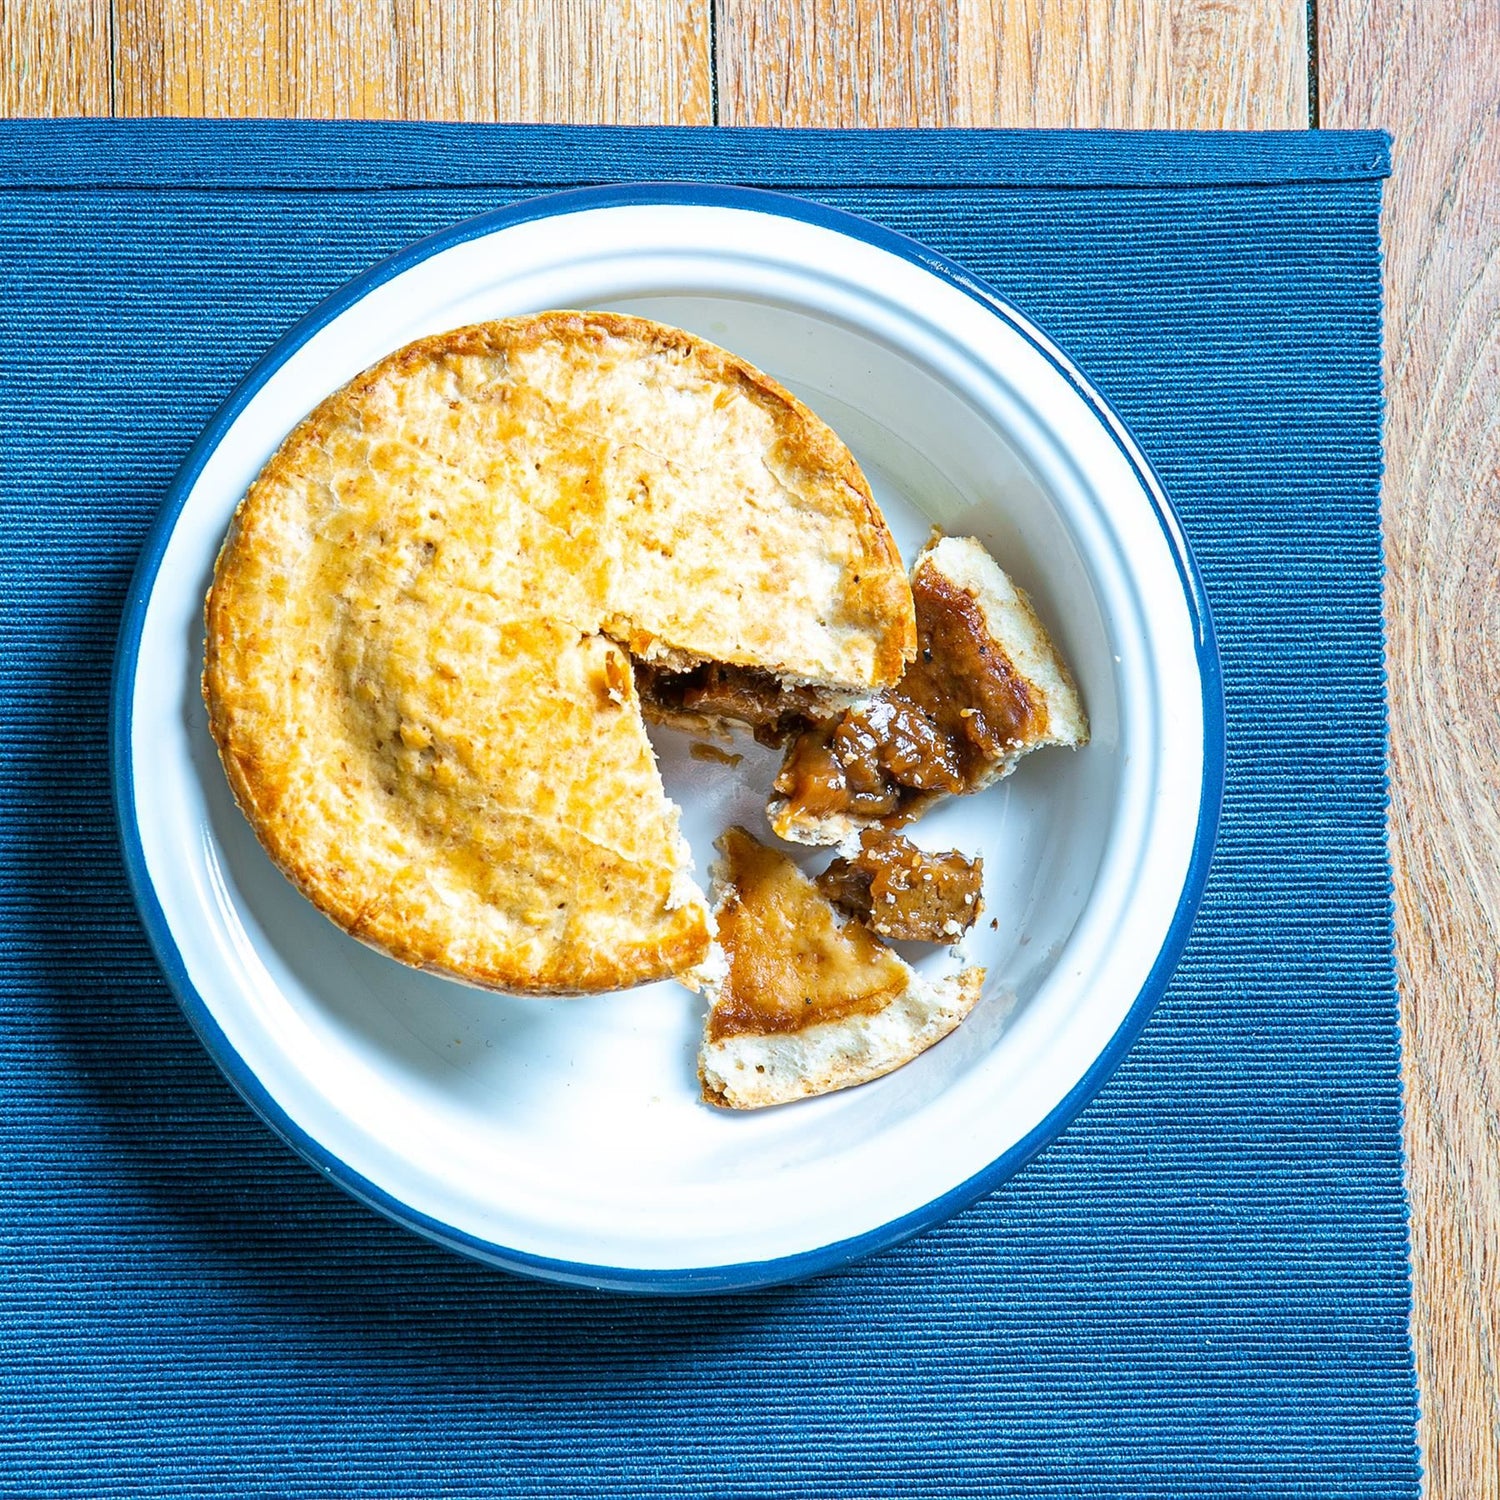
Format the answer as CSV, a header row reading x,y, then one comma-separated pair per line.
x,y
433,609
986,687
805,1003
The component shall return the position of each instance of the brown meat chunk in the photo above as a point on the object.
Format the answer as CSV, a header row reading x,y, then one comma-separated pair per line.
x,y
902,892
979,701
714,691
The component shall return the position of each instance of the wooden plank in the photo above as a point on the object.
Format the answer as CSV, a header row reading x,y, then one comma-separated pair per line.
x,y
1239,66
1067,62
55,55
1189,64
335,58
605,61
1428,74
629,62
825,62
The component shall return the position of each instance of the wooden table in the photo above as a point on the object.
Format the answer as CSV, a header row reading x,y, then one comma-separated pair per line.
x,y
1426,70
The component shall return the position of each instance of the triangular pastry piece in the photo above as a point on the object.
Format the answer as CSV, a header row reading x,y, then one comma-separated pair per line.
x,y
803,1002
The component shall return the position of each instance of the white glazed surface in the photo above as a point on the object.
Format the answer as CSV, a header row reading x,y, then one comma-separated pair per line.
x,y
572,1130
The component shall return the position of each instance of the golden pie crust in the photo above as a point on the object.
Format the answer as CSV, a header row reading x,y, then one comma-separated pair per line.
x,y
420,630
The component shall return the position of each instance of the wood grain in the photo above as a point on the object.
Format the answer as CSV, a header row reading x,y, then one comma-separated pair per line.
x,y
56,57
1068,62
598,61
1239,65
822,62
1429,74
1188,64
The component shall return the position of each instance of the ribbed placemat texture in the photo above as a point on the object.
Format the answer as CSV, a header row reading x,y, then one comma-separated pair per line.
x,y
1201,1289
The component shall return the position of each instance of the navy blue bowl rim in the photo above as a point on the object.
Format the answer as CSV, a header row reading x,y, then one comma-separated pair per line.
x,y
745,1275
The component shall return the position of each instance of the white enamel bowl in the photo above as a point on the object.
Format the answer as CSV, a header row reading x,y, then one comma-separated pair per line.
x,y
566,1138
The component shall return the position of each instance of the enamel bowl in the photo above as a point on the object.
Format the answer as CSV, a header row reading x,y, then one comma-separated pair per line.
x,y
566,1139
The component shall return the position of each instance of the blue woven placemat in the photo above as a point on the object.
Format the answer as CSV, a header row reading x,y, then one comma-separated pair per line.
x,y
1200,1289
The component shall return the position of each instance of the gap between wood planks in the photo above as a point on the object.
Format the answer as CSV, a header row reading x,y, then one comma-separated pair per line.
x,y
1313,120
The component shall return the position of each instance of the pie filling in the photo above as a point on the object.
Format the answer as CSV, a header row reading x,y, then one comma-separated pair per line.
x,y
792,963
959,710
714,691
903,893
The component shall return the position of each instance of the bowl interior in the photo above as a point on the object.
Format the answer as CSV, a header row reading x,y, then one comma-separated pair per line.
x,y
573,1129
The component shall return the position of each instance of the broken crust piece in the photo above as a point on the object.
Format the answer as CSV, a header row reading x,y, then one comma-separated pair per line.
x,y
805,1004
986,688
425,618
